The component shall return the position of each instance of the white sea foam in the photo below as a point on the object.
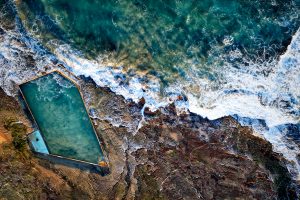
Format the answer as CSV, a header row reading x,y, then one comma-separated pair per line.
x,y
108,76
273,98
21,57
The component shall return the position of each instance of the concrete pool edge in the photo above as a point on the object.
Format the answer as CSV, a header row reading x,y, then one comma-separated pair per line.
x,y
103,164
69,162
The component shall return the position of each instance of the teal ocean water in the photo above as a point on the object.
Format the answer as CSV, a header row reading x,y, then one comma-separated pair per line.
x,y
164,37
213,57
159,49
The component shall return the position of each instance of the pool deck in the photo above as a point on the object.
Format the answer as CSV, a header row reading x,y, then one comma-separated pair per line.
x,y
42,145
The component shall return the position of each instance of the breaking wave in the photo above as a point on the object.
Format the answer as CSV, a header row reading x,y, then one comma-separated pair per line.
x,y
267,103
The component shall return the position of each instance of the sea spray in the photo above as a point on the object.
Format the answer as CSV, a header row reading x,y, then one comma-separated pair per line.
x,y
241,97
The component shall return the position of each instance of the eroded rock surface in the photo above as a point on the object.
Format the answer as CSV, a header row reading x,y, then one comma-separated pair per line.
x,y
152,155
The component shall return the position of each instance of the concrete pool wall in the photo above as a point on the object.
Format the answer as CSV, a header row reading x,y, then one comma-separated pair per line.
x,y
63,146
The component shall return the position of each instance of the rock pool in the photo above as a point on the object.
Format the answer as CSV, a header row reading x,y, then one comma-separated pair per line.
x,y
61,116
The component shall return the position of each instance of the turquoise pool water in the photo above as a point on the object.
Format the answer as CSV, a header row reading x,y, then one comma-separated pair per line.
x,y
60,114
37,142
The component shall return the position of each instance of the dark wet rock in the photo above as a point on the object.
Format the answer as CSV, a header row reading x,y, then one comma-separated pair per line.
x,y
7,16
1,31
142,102
186,165
149,113
185,156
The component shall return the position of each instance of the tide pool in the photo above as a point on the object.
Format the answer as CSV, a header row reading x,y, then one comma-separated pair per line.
x,y
60,114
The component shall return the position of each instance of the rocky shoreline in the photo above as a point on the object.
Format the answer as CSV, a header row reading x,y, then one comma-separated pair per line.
x,y
152,155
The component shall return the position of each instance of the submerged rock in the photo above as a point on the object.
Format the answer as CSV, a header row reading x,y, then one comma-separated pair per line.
x,y
152,155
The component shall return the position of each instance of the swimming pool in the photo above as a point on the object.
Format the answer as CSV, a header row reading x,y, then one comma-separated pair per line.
x,y
65,128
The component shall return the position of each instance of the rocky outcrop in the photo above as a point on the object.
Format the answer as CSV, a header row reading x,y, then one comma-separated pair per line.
x,y
152,155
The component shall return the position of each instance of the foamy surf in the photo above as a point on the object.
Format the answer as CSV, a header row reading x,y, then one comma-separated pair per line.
x,y
112,77
266,101
273,99
248,93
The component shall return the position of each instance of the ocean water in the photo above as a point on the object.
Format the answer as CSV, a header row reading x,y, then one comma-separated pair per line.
x,y
222,57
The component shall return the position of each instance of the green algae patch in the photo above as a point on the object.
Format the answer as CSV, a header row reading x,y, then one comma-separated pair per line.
x,y
18,131
148,186
60,114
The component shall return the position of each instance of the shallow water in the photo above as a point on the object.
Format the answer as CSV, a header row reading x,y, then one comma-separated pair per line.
x,y
60,114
